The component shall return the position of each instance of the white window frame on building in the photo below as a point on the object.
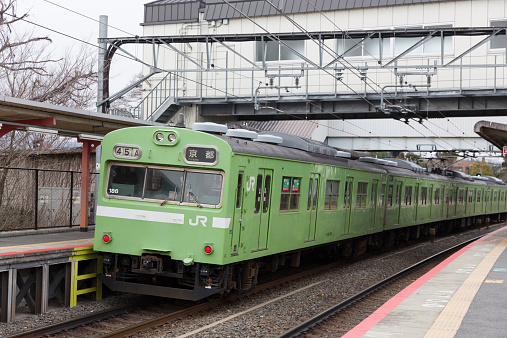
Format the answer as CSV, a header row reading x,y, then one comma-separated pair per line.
x,y
498,43
277,52
371,47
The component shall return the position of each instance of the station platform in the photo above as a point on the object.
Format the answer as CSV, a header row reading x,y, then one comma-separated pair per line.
x,y
30,242
37,266
464,296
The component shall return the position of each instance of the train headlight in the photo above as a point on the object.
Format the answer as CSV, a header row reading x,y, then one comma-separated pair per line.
x,y
166,137
208,249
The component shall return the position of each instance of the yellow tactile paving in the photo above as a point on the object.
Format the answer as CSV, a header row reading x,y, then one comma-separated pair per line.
x,y
449,320
36,246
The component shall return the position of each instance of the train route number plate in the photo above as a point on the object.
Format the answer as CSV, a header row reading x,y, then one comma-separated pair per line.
x,y
127,151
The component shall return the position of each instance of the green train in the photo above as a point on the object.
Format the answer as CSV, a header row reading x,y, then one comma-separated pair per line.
x,y
189,213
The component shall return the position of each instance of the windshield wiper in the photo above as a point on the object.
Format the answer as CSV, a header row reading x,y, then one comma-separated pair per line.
x,y
168,198
195,199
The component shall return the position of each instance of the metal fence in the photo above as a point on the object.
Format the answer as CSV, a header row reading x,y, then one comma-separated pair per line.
x,y
42,198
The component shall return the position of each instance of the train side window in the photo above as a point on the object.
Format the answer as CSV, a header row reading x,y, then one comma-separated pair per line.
x,y
331,200
470,196
239,189
495,196
437,195
315,185
289,200
267,186
390,196
398,194
258,191
408,195
346,197
478,195
310,187
502,196
424,195
382,193
362,191
460,196
373,195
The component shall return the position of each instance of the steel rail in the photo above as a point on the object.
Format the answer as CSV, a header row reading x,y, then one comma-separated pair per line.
x,y
75,322
297,330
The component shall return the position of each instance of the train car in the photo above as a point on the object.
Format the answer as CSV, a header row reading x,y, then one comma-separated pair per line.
x,y
188,214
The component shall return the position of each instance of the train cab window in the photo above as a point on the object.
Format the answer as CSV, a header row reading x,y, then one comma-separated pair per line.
x,y
362,191
170,186
437,195
202,188
126,181
289,200
239,190
408,195
163,184
424,195
331,200
478,195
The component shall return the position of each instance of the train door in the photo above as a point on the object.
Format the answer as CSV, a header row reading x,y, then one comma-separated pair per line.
x,y
347,197
238,213
313,190
261,208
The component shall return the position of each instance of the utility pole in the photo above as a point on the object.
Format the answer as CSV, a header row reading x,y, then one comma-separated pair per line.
x,y
102,53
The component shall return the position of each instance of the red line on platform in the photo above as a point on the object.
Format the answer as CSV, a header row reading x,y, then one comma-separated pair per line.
x,y
46,249
366,325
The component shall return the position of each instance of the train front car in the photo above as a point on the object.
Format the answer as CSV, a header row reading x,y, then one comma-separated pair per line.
x,y
161,216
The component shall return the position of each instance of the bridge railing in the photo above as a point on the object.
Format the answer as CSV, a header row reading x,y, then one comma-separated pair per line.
x,y
42,198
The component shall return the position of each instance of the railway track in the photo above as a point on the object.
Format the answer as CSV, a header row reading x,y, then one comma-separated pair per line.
x,y
137,314
342,317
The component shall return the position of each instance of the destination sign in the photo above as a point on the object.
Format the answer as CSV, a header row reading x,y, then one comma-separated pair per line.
x,y
201,155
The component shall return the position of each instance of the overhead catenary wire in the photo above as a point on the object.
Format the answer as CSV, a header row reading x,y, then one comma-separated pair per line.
x,y
126,32
183,77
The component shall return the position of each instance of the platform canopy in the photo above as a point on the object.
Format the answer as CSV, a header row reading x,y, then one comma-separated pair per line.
x,y
493,132
21,114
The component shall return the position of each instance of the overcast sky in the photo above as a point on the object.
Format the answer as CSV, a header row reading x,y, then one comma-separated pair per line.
x,y
126,15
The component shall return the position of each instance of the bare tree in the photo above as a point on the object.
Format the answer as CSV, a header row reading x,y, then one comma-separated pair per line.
x,y
27,71
11,43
